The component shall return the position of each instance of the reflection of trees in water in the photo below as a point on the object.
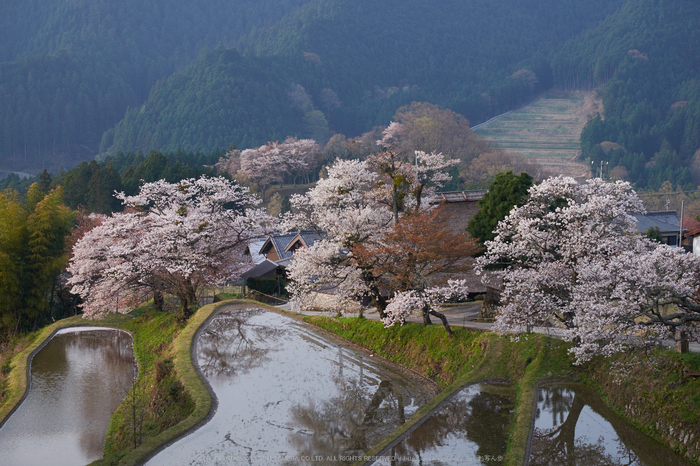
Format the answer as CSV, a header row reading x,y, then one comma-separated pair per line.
x,y
231,345
558,401
483,419
350,423
94,369
559,444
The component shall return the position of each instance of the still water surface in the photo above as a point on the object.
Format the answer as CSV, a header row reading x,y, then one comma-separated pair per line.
x,y
471,428
77,381
290,394
574,426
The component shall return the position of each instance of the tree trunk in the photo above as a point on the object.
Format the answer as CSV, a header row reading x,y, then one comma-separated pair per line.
x,y
681,344
442,317
158,300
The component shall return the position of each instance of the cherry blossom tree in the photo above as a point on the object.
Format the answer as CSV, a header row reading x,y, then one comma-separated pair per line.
x,y
301,157
572,257
424,303
412,175
175,238
273,162
264,165
340,209
366,252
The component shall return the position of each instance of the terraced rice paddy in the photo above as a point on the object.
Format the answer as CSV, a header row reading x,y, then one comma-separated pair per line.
x,y
547,131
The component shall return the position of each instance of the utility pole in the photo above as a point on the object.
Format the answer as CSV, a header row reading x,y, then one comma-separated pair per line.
x,y
600,169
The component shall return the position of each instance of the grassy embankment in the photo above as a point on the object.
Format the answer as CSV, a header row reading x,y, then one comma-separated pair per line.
x,y
168,397
648,390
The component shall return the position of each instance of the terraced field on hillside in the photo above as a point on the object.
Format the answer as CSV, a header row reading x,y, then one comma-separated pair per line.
x,y
546,131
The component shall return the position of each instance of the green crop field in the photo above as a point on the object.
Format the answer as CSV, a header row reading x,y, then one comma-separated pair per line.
x,y
548,131
550,126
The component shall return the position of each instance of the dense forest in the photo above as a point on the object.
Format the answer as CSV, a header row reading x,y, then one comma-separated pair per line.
x,y
318,72
645,61
79,79
70,71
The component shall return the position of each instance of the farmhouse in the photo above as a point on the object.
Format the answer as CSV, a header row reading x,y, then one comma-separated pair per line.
x,y
666,221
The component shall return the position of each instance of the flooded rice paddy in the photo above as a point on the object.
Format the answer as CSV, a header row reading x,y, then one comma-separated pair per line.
x,y
471,427
573,426
291,394
77,381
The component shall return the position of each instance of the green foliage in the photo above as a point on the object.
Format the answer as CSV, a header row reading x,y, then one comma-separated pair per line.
x,y
91,186
506,191
654,233
32,254
70,70
279,85
224,96
644,58
651,390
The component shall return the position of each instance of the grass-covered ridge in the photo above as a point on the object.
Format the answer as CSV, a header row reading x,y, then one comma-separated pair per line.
x,y
650,391
469,356
169,395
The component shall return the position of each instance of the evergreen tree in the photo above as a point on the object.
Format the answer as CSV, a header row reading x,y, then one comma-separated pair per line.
x,y
506,191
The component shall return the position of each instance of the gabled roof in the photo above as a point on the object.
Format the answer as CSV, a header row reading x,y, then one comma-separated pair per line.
x,y
692,233
302,239
278,243
665,220
254,250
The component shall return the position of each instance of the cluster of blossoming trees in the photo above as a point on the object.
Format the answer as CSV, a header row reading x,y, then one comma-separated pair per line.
x,y
173,239
176,238
273,162
572,256
378,241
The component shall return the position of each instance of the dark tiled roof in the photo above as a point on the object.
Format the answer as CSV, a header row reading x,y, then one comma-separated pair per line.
x,y
260,269
308,238
665,220
279,242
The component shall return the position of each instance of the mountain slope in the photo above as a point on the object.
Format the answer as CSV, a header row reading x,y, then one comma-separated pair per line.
x,y
104,56
358,61
646,58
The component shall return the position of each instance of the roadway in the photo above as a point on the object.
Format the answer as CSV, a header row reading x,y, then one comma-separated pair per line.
x,y
465,316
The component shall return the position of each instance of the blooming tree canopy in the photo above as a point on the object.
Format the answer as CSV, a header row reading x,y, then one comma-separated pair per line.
x,y
572,257
411,176
365,252
272,162
174,238
424,302
339,207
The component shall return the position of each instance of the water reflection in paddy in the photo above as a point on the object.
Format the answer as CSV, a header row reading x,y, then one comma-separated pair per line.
x,y
573,426
290,394
470,428
77,381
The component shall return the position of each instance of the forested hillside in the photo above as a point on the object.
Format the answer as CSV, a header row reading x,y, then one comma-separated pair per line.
x,y
70,69
350,64
79,78
646,57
